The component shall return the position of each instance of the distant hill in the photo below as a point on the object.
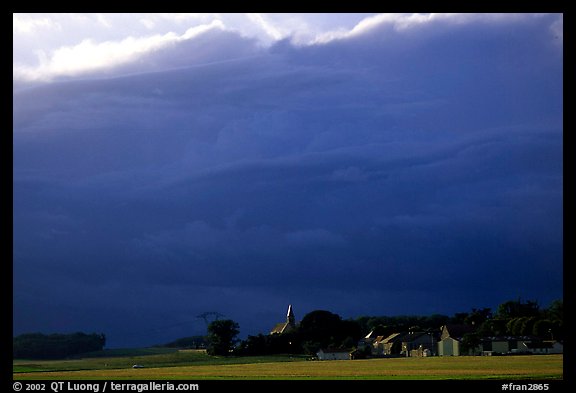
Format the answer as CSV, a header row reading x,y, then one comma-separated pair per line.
x,y
55,346
192,342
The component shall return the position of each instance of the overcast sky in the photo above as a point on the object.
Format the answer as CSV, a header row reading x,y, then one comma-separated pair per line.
x,y
167,165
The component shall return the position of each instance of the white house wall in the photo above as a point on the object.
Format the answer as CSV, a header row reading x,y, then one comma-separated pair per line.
x,y
448,347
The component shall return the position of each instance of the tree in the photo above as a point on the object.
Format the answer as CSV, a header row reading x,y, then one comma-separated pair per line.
x,y
321,329
470,342
514,326
254,345
222,337
459,318
311,347
319,320
528,326
555,312
478,316
434,321
348,343
517,309
543,328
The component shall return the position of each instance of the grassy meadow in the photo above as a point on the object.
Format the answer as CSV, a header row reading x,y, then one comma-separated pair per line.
x,y
196,365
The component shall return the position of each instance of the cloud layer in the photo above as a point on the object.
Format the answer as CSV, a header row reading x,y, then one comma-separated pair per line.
x,y
399,164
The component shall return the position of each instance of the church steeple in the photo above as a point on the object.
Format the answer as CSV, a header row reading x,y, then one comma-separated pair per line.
x,y
290,320
285,327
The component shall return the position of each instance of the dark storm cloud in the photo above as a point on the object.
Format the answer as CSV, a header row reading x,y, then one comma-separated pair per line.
x,y
387,172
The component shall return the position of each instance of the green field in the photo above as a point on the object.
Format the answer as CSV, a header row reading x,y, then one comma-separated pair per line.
x,y
194,365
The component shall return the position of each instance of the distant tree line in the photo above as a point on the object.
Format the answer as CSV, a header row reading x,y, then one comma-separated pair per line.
x,y
55,346
517,318
219,341
386,325
512,318
192,342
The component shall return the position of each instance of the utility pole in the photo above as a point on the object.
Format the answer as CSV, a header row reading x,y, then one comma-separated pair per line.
x,y
208,314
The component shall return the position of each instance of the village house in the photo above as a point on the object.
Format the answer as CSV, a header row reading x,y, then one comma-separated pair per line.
x,y
418,344
450,344
389,345
543,347
405,344
367,341
451,339
505,344
523,344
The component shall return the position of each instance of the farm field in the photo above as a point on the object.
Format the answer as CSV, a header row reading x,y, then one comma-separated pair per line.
x,y
150,358
194,365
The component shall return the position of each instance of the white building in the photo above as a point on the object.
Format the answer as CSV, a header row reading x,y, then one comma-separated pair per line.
x,y
544,347
333,354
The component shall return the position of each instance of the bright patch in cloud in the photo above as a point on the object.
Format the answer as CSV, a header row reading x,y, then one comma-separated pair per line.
x,y
28,25
91,56
267,27
400,22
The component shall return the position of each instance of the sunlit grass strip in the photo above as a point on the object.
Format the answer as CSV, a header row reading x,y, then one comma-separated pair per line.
x,y
509,367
